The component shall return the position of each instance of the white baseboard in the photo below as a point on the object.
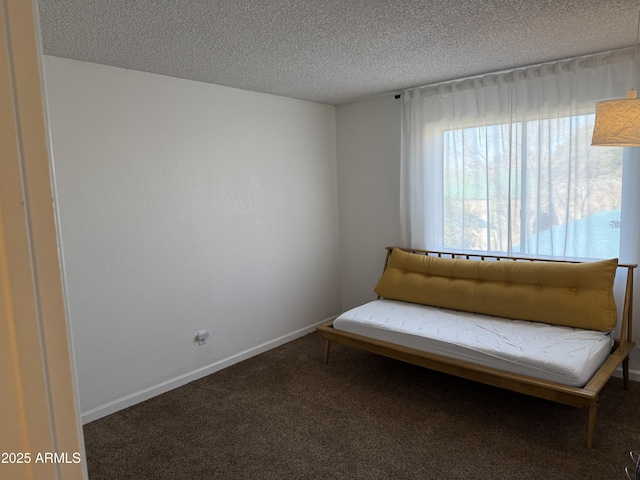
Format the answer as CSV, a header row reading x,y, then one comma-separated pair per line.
x,y
146,394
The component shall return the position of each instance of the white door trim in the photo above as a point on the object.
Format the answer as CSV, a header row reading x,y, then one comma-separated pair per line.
x,y
41,434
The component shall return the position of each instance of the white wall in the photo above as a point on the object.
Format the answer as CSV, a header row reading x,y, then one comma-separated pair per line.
x,y
368,142
186,206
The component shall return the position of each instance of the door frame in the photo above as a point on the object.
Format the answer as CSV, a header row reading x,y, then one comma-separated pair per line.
x,y
41,434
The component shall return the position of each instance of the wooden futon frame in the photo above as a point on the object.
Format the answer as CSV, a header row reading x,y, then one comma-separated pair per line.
x,y
585,397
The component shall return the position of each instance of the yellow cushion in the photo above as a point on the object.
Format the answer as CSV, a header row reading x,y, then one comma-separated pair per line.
x,y
572,294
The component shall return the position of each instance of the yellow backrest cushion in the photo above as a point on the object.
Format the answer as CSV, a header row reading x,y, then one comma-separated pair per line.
x,y
572,294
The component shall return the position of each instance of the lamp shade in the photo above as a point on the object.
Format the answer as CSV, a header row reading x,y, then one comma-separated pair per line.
x,y
618,122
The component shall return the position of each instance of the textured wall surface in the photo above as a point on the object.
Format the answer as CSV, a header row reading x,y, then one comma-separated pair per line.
x,y
369,189
186,206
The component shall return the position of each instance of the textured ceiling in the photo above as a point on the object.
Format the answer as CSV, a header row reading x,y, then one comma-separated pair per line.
x,y
331,51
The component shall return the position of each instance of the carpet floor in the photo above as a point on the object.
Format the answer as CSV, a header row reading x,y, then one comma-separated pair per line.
x,y
284,414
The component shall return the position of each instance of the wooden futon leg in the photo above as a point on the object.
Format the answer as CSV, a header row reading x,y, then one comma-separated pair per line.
x,y
327,344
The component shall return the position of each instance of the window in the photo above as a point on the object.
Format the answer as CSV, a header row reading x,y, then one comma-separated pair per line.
x,y
503,163
545,192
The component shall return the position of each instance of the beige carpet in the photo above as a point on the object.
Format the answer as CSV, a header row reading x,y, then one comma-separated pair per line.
x,y
286,415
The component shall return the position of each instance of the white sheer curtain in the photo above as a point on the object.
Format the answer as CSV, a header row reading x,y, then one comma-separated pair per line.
x,y
503,163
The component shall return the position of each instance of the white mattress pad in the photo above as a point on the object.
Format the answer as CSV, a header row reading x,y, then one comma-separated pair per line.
x,y
565,355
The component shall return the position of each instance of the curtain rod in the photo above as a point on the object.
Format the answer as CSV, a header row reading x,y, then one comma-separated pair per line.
x,y
497,72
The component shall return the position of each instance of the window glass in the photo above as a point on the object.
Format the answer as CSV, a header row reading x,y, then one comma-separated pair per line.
x,y
535,188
